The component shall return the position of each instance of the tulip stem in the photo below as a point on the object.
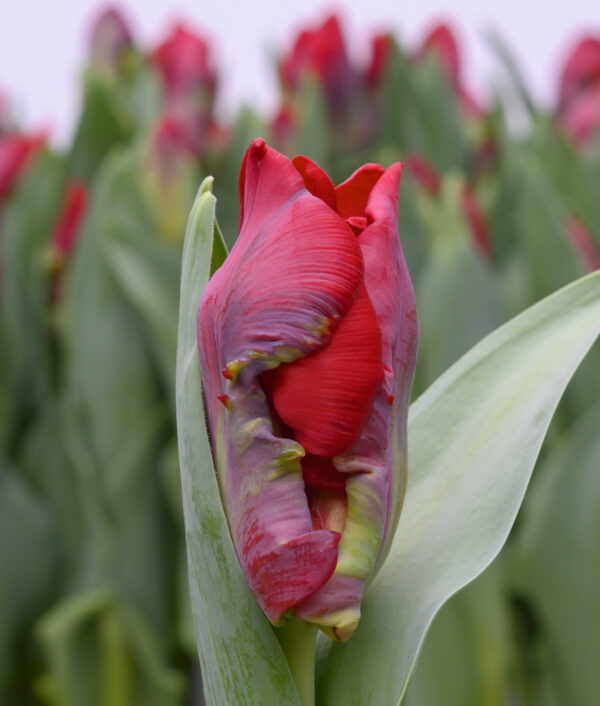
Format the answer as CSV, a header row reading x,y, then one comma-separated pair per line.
x,y
298,639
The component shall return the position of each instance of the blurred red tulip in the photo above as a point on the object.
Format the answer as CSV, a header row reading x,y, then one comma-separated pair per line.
x,y
69,220
110,37
183,60
580,118
583,243
424,172
381,49
477,221
171,138
581,70
579,92
441,41
15,151
320,51
282,125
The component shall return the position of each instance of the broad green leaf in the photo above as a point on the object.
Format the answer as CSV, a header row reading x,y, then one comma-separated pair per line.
x,y
474,437
242,662
558,559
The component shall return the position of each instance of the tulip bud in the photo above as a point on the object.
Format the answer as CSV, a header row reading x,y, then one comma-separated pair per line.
x,y
321,52
307,338
69,220
168,175
189,79
111,39
381,50
581,70
441,42
579,93
15,151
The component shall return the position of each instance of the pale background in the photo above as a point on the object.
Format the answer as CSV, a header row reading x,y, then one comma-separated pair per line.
x,y
43,42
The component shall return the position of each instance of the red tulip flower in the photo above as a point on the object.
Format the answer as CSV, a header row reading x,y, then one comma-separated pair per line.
x,y
69,220
579,107
110,37
15,152
321,52
307,337
441,42
381,50
183,61
581,71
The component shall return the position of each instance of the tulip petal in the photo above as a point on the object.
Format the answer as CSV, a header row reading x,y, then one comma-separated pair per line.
x,y
319,472
353,194
316,180
326,397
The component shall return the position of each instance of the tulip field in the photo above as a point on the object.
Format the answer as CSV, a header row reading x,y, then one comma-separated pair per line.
x,y
348,458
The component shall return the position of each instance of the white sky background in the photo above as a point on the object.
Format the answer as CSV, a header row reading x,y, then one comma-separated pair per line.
x,y
43,42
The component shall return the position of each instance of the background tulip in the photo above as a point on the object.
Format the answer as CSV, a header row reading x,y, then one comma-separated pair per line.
x,y
15,152
579,91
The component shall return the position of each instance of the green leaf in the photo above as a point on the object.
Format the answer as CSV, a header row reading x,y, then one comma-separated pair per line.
x,y
27,576
242,662
100,652
558,559
474,437
25,347
103,125
470,657
458,296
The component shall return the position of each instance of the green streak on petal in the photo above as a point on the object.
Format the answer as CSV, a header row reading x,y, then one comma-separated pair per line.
x,y
361,539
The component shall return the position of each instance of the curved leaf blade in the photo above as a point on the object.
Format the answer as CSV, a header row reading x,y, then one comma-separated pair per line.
x,y
474,437
242,662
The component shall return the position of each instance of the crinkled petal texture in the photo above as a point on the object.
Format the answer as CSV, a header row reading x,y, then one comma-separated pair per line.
x,y
307,337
